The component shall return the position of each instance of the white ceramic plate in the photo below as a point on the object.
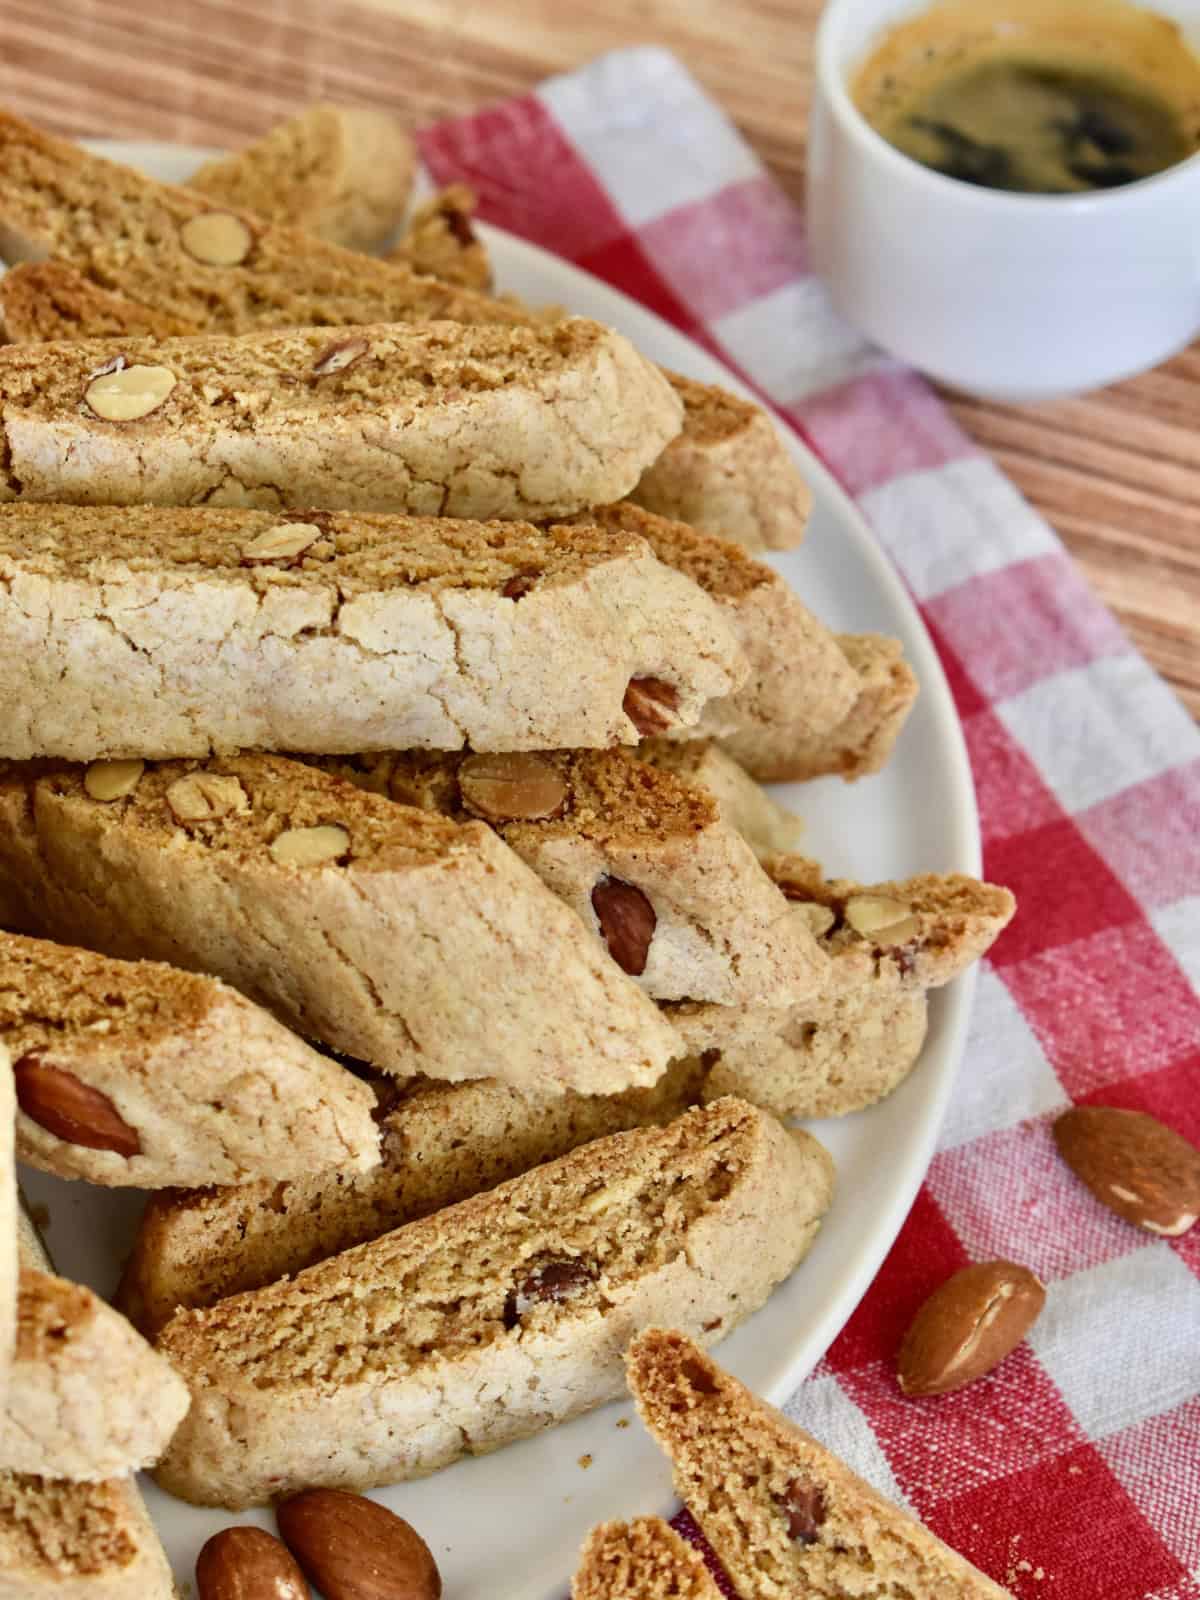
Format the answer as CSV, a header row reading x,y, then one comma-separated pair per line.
x,y
507,1526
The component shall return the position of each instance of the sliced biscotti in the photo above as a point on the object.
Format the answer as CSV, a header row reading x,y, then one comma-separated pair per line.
x,y
855,747
800,683
403,939
440,419
172,250
728,473
12,1222
441,241
888,944
89,1399
642,1560
676,896
135,1073
42,300
784,1516
78,1541
494,1319
440,1143
342,173
158,632
767,827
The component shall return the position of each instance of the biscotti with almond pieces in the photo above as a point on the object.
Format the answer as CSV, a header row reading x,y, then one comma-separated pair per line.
x,y
172,250
888,944
342,173
165,632
441,241
438,419
494,1319
800,684
728,473
853,748
641,1560
783,1515
440,1143
400,938
89,1399
136,1073
677,897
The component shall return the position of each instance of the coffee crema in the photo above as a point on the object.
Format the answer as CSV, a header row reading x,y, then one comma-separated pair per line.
x,y
1035,96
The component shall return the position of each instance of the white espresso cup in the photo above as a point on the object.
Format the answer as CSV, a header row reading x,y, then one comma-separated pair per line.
x,y
1011,296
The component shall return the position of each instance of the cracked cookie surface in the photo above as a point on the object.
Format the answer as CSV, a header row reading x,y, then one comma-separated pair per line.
x,y
147,632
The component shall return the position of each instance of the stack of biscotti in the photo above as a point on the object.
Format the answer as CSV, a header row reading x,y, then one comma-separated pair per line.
x,y
126,246
90,1404
388,879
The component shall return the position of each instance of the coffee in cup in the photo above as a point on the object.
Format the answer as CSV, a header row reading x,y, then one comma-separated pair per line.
x,y
1035,96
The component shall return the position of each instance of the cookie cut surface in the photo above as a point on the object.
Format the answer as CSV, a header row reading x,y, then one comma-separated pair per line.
x,y
784,1516
641,1560
495,1318
78,1541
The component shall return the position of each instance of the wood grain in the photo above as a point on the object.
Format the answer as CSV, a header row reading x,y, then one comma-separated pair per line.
x,y
1117,473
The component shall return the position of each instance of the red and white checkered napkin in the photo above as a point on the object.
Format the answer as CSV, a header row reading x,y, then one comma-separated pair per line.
x,y
1073,1473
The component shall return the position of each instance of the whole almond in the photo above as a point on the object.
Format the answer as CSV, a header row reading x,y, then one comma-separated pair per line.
x,y
248,1564
512,787
627,921
1135,1165
650,704
71,1110
968,1326
352,1548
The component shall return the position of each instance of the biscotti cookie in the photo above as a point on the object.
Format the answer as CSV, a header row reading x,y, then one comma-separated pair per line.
x,y
441,241
78,1541
159,632
135,1073
440,1143
642,1560
494,1319
11,1229
728,473
784,1516
342,173
800,683
855,747
676,896
88,1399
400,938
888,944
170,249
42,300
767,827
439,419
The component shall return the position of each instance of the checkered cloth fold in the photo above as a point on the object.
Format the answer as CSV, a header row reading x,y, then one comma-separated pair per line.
x,y
1073,1472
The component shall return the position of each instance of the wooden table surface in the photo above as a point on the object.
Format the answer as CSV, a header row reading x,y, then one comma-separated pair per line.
x,y
1118,473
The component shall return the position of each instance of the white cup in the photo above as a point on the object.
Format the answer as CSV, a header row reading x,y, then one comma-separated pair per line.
x,y
1011,296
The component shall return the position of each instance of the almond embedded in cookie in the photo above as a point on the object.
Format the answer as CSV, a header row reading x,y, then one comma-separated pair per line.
x,y
495,1318
137,1073
643,858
